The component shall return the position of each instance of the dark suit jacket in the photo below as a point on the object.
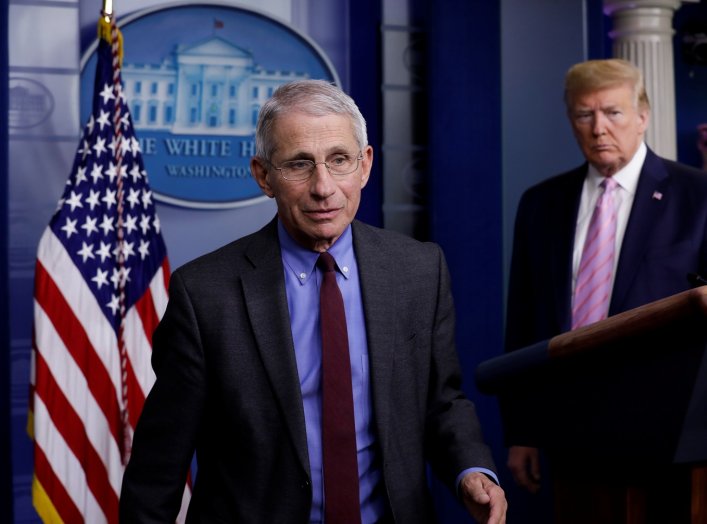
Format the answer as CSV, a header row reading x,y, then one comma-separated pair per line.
x,y
665,239
227,386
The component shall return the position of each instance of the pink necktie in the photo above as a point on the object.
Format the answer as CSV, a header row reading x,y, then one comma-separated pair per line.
x,y
593,288
341,496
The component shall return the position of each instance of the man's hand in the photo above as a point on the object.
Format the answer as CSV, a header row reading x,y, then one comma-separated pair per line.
x,y
524,464
483,498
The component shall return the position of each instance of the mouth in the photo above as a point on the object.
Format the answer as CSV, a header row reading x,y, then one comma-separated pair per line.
x,y
322,214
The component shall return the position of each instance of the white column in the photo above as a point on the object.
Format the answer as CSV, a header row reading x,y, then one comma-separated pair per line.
x,y
642,34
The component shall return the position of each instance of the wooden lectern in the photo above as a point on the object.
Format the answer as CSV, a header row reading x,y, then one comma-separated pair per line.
x,y
622,401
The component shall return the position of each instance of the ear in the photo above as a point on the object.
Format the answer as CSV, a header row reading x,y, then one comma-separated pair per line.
x,y
366,165
644,116
260,173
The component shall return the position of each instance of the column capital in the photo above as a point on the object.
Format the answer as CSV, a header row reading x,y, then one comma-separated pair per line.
x,y
613,6
641,18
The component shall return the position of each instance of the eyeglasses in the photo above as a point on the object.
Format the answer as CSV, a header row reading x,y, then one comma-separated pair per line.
x,y
337,165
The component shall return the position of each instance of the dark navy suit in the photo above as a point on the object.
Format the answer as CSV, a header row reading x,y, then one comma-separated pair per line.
x,y
665,239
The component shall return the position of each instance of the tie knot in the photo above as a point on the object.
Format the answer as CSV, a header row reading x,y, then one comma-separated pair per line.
x,y
609,184
326,262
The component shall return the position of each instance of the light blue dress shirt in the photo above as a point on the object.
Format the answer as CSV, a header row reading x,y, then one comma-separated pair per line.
x,y
302,281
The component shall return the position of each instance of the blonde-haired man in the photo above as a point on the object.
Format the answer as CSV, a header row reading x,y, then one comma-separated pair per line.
x,y
658,222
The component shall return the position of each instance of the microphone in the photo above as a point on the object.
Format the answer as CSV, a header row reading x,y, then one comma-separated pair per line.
x,y
696,280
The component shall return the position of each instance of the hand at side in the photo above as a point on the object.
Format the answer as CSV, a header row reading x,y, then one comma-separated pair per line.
x,y
483,498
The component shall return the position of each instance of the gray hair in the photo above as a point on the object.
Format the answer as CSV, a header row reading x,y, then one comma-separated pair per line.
x,y
593,75
312,97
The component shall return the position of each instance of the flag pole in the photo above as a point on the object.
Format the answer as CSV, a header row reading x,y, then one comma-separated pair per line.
x,y
108,30
107,10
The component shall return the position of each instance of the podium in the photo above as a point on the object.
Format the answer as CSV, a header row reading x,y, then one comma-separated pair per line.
x,y
626,396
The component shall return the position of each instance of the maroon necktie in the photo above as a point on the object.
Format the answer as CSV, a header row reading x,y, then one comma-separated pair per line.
x,y
341,503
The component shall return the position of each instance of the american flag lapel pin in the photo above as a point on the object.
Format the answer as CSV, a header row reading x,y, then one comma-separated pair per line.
x,y
657,195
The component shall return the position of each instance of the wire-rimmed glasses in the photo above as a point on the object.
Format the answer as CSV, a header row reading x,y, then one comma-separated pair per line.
x,y
340,164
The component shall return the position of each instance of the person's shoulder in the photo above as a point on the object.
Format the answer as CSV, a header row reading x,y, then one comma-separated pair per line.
x,y
224,259
373,242
687,173
389,238
557,188
560,182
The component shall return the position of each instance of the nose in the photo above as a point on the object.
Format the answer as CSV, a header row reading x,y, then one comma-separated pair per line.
x,y
598,124
322,183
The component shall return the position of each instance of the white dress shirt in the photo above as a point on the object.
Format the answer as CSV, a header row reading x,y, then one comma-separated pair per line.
x,y
624,193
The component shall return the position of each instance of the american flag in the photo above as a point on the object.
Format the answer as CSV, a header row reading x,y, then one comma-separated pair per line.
x,y
100,289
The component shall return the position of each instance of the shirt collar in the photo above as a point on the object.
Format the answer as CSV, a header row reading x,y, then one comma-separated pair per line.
x,y
627,177
301,261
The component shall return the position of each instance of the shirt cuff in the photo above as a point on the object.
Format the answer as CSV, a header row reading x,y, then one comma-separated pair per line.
x,y
485,471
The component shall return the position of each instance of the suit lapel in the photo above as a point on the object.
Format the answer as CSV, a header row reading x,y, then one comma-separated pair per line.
x,y
266,299
379,305
645,212
567,200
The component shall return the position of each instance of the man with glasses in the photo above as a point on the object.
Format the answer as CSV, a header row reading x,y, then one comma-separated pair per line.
x,y
244,366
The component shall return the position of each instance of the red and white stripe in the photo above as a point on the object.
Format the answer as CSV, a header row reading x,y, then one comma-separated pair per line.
x,y
76,386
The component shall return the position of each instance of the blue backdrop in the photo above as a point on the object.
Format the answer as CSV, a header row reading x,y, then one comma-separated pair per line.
x,y
469,175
